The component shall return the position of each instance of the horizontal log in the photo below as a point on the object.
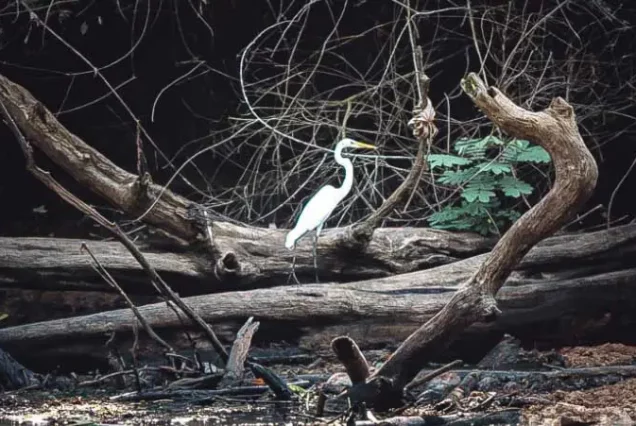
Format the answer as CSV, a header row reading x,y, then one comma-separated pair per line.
x,y
58,264
371,312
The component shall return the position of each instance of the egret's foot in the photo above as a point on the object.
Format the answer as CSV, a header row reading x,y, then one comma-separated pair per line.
x,y
291,275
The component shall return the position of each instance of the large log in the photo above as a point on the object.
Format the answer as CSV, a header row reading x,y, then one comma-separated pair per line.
x,y
373,312
58,264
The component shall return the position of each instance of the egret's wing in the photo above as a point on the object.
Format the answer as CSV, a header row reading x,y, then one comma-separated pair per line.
x,y
318,209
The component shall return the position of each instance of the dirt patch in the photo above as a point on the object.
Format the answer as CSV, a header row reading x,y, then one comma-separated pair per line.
x,y
561,414
606,354
613,404
621,394
606,405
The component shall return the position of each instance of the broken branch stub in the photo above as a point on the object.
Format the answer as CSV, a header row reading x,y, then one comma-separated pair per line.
x,y
576,174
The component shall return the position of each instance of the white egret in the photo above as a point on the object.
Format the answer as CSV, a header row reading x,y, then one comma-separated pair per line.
x,y
322,204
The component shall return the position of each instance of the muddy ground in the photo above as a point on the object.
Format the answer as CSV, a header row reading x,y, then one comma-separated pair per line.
x,y
613,404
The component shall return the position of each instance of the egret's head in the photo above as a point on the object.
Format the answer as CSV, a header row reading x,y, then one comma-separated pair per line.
x,y
350,143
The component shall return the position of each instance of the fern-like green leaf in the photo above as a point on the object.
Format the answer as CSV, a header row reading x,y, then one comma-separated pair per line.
x,y
296,389
476,209
519,143
495,168
480,178
447,214
446,160
473,148
451,177
513,187
534,154
510,215
520,150
477,192
493,140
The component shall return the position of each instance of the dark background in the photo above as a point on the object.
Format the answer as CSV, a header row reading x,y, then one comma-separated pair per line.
x,y
196,107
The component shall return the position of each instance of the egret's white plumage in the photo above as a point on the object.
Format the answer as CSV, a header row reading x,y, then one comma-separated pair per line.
x,y
322,204
314,214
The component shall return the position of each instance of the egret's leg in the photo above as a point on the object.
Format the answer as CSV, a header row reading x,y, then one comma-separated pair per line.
x,y
293,271
315,251
315,256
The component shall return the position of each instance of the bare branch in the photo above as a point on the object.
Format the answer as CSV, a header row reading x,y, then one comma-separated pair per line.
x,y
576,175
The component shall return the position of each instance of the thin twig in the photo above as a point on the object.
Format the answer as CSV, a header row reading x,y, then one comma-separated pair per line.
x,y
113,283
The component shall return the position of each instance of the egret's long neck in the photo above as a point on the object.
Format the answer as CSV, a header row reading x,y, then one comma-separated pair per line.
x,y
348,166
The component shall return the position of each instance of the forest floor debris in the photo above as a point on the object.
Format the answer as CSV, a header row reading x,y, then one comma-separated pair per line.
x,y
603,405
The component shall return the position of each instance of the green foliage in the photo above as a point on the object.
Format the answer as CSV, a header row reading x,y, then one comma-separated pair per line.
x,y
483,172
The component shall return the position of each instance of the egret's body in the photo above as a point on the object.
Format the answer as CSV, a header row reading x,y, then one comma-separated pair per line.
x,y
315,214
323,203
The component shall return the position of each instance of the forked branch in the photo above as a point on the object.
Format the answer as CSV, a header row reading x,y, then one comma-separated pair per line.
x,y
576,173
424,131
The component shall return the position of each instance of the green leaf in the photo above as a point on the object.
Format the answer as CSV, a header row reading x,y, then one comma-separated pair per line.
x,y
513,187
446,160
451,177
509,215
473,148
447,214
520,150
296,389
495,167
534,154
493,140
480,208
472,193
476,208
517,144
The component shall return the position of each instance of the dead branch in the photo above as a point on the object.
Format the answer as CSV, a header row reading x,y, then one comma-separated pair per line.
x,y
235,366
14,375
92,169
160,285
113,283
423,130
350,356
576,174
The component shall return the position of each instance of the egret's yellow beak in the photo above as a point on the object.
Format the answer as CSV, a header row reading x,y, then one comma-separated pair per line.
x,y
364,145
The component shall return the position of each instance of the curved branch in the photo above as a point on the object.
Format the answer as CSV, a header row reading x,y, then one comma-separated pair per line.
x,y
423,130
576,175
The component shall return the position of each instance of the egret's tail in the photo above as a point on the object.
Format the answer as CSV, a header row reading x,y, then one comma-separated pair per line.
x,y
291,238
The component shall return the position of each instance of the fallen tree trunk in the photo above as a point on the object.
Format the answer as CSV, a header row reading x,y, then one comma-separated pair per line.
x,y
58,264
370,312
